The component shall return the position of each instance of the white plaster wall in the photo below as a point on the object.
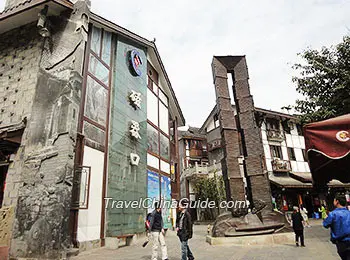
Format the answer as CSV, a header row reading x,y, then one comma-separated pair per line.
x,y
289,140
89,222
284,153
211,125
292,140
267,151
299,155
294,165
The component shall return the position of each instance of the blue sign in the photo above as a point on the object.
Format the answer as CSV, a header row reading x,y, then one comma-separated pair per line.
x,y
166,199
152,188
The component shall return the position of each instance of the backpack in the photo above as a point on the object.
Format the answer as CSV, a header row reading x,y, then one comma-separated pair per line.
x,y
148,221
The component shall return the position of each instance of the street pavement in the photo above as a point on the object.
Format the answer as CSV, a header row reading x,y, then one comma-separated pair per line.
x,y
317,243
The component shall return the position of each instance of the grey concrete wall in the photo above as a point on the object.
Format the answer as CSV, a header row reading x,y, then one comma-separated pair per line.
x,y
41,178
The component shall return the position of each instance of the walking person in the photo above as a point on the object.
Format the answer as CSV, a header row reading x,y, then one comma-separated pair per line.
x,y
339,222
303,212
323,212
298,226
184,230
156,229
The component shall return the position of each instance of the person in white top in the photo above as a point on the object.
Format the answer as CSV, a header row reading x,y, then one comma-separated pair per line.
x,y
303,212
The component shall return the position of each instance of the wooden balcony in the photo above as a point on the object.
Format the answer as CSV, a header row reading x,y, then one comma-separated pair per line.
x,y
275,135
201,170
279,165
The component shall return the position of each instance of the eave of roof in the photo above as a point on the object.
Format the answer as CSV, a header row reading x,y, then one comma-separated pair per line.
x,y
262,110
275,113
288,182
28,4
144,42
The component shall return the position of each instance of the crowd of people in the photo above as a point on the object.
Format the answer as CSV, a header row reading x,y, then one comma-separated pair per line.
x,y
337,220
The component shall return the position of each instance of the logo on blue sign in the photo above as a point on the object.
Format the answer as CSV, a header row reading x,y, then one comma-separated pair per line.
x,y
136,62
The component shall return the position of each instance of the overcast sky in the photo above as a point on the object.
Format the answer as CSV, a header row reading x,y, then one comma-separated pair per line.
x,y
269,32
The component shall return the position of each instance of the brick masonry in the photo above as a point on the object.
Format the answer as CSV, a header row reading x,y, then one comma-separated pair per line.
x,y
20,52
245,127
230,166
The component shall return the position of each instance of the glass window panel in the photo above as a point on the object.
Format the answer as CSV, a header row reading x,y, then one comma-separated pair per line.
x,y
163,97
152,161
96,102
152,139
163,118
164,147
96,40
98,70
155,89
152,107
106,47
164,167
93,133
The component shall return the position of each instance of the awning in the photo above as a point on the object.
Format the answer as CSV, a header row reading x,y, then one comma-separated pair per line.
x,y
328,147
288,182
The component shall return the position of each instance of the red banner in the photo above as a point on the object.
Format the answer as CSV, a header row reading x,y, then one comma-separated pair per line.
x,y
330,137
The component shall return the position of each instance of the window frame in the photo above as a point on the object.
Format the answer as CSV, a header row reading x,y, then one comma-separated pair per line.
x,y
279,149
155,91
291,154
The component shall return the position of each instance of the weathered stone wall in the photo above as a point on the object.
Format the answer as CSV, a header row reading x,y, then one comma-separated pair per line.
x,y
20,52
40,182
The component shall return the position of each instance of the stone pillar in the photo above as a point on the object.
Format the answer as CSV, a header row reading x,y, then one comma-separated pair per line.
x,y
245,128
234,184
257,178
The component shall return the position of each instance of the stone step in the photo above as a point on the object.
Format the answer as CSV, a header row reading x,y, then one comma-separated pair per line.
x,y
72,252
258,228
232,233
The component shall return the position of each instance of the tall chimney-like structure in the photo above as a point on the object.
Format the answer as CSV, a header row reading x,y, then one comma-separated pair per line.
x,y
241,130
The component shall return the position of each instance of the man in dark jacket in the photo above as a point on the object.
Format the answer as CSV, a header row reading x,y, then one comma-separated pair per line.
x,y
156,229
339,222
298,226
184,229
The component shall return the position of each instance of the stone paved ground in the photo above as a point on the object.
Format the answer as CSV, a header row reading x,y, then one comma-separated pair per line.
x,y
317,247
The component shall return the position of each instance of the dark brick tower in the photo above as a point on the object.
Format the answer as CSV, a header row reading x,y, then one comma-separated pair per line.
x,y
241,130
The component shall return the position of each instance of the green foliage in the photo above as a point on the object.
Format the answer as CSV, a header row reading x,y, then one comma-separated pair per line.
x,y
324,81
211,188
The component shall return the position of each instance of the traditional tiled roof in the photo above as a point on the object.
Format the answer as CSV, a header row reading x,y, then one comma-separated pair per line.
x,y
302,176
288,182
193,132
338,184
